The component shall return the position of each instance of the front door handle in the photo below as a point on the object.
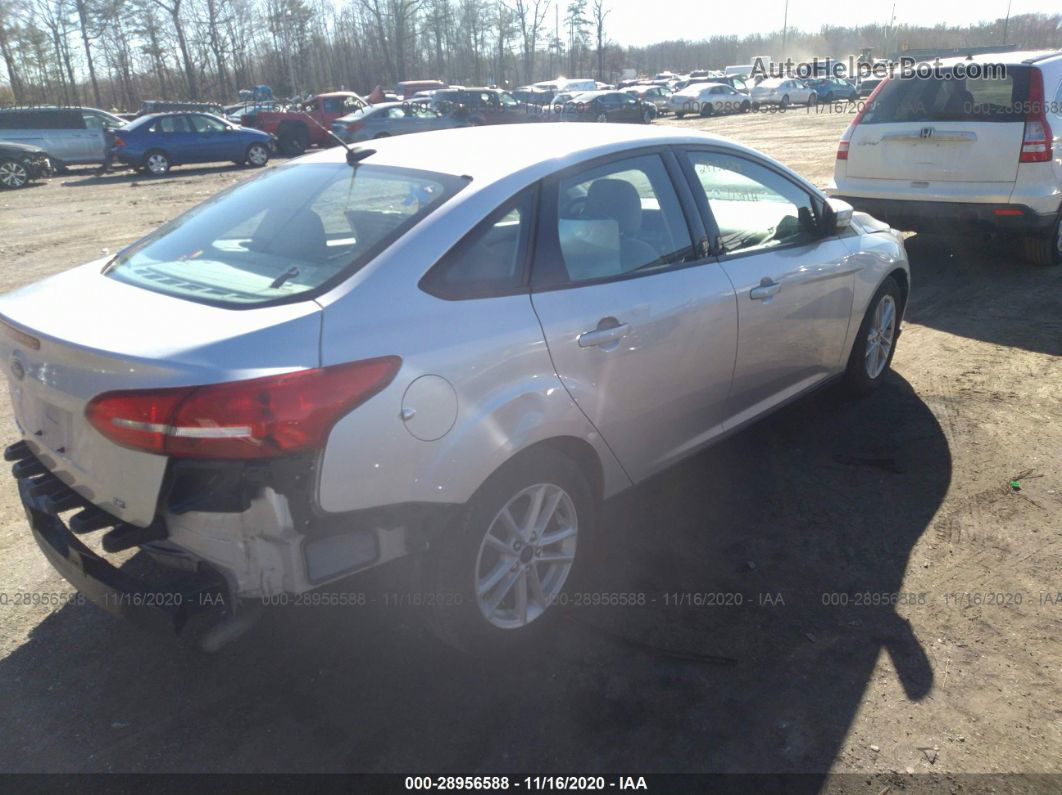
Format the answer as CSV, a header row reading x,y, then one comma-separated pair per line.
x,y
605,334
768,287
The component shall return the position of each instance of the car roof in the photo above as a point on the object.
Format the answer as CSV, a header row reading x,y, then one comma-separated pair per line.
x,y
1010,58
539,147
343,94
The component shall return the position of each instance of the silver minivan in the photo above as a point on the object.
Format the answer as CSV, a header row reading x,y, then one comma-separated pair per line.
x,y
70,136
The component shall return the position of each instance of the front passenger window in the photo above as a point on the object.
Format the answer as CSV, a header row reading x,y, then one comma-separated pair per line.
x,y
753,206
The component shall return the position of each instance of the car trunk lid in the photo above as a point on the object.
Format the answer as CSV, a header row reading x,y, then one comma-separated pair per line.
x,y
79,334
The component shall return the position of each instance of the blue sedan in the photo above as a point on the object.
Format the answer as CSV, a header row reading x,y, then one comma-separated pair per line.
x,y
156,142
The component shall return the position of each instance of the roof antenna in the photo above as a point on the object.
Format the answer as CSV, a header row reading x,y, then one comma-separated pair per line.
x,y
354,156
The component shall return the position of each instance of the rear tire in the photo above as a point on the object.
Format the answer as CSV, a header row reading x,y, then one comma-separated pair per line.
x,y
784,103
706,110
875,342
500,581
13,174
157,163
647,117
1046,251
294,141
601,118
679,115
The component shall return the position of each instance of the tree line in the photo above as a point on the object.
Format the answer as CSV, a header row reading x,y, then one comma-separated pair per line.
x,y
117,53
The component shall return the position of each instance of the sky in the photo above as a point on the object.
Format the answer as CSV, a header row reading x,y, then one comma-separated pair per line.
x,y
637,22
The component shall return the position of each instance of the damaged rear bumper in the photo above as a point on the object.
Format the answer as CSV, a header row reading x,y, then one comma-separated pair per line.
x,y
165,604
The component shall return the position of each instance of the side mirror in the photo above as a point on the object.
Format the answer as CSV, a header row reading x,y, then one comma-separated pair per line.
x,y
837,217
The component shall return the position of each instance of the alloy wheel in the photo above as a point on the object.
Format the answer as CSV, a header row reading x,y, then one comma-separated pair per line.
x,y
13,174
880,336
257,155
157,163
526,555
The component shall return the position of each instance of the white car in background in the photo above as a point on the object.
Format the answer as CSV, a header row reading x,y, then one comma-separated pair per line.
x,y
783,92
949,153
707,99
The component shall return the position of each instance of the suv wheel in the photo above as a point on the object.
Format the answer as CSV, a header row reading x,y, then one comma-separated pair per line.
x,y
875,342
517,545
1046,250
13,174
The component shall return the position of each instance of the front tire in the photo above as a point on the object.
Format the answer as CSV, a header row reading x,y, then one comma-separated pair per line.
x,y
515,547
875,343
785,102
13,174
257,155
647,117
1045,250
706,110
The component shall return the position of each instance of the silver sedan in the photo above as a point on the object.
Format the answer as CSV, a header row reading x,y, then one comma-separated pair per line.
x,y
455,345
392,118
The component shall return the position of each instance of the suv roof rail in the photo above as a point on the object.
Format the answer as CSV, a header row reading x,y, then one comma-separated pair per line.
x,y
1043,56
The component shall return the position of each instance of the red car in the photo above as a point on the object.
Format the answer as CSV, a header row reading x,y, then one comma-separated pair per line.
x,y
308,125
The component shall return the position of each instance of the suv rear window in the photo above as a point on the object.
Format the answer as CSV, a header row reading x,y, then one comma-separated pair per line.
x,y
291,232
994,99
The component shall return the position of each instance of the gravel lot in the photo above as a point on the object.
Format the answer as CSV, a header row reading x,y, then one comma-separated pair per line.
x,y
906,492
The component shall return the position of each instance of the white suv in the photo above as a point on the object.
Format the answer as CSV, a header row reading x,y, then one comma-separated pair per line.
x,y
951,149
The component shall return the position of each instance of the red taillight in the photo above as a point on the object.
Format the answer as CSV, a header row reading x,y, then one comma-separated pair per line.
x,y
260,418
118,141
1036,140
846,137
354,126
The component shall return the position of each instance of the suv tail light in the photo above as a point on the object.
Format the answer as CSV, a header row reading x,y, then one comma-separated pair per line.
x,y
1036,141
846,136
259,418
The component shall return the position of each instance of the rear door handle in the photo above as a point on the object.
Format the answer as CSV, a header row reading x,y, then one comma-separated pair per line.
x,y
767,288
603,337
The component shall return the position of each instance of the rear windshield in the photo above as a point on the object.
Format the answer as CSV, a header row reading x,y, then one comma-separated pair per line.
x,y
294,230
998,98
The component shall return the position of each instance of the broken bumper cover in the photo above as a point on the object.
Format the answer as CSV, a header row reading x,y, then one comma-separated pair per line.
x,y
166,605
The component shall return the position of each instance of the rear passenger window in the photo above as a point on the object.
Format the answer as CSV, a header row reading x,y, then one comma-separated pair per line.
x,y
612,220
490,260
171,124
753,206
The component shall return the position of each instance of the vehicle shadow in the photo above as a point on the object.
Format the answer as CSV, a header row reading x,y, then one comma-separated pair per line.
x,y
118,176
982,288
801,527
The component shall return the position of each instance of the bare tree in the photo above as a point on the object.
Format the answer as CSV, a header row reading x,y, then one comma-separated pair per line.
x,y
530,15
600,13
174,10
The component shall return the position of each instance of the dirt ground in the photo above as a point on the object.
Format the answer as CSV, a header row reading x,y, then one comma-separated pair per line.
x,y
815,516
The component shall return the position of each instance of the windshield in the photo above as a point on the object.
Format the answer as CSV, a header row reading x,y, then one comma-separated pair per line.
x,y
288,232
